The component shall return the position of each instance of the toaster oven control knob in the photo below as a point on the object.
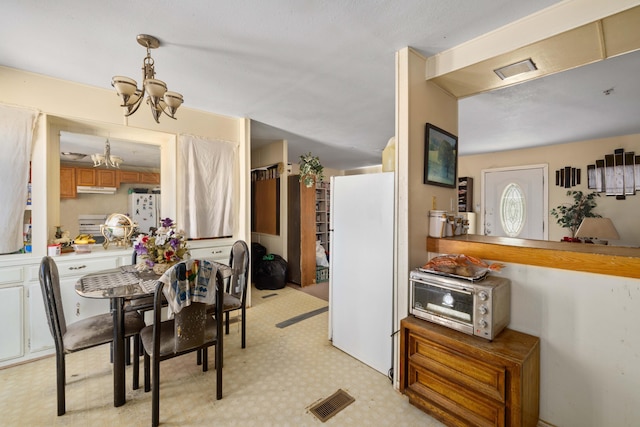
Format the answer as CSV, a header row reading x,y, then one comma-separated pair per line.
x,y
483,323
483,309
483,295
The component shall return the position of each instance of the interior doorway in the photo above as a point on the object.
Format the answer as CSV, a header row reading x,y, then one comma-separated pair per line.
x,y
515,202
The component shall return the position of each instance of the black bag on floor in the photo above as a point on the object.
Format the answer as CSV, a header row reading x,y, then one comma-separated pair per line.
x,y
257,253
271,272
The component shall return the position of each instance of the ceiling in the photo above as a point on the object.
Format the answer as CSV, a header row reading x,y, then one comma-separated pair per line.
x,y
319,74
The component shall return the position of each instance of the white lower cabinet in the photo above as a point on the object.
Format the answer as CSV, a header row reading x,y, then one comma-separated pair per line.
x,y
39,334
76,307
11,319
25,333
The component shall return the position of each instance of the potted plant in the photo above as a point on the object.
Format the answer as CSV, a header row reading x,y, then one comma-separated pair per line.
x,y
571,215
311,171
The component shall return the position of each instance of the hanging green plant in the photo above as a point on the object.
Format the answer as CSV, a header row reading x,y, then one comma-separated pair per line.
x,y
571,215
311,171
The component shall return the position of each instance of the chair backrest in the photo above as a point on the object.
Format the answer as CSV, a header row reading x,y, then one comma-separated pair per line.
x,y
190,321
239,263
50,285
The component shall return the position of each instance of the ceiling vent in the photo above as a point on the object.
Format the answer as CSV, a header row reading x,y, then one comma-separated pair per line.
x,y
516,69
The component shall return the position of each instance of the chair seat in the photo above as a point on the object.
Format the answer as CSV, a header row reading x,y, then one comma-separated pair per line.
x,y
97,330
167,337
230,303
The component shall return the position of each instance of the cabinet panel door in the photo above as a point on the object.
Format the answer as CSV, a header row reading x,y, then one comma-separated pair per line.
x,y
86,176
67,183
106,178
39,333
128,177
11,335
149,178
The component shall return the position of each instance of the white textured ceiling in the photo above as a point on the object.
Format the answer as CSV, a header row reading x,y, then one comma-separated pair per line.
x,y
317,73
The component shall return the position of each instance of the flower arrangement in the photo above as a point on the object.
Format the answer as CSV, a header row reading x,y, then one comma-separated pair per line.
x,y
311,171
166,245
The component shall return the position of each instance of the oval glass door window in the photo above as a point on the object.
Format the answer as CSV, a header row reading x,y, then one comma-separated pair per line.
x,y
513,210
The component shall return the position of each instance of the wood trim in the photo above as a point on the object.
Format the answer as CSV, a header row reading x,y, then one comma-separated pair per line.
x,y
609,260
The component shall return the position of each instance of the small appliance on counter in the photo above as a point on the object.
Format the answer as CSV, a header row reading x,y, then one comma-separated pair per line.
x,y
479,305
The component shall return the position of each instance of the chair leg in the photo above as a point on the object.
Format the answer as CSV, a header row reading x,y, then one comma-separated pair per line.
x,y
199,357
218,362
127,351
60,383
226,321
155,392
147,373
136,362
244,327
205,359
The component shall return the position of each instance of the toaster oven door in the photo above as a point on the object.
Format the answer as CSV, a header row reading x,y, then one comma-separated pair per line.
x,y
443,304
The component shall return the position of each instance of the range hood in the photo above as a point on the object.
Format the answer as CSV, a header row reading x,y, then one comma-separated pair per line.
x,y
82,189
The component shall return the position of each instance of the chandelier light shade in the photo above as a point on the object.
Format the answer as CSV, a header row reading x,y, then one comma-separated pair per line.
x,y
158,97
106,158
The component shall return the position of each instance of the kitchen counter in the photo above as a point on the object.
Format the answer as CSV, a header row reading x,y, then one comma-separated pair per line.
x,y
602,259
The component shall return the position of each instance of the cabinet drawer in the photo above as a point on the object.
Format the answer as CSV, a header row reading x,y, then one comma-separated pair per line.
x,y
84,266
217,253
11,275
473,408
469,372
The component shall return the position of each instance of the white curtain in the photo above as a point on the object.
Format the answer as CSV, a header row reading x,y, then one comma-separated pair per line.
x,y
206,193
16,134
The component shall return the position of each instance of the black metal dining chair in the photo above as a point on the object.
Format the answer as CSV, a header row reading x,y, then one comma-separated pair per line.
x,y
235,295
80,335
191,330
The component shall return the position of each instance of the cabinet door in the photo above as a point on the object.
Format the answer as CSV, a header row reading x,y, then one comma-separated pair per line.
x,y
86,177
11,320
67,183
39,333
106,178
128,177
149,178
76,307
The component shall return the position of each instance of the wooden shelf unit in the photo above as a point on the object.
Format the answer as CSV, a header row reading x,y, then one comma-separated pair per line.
x,y
465,194
465,380
323,212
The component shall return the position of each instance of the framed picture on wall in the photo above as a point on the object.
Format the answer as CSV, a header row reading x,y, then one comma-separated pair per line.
x,y
440,157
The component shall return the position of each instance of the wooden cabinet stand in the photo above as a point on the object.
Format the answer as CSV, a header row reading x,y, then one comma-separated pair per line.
x,y
301,243
464,380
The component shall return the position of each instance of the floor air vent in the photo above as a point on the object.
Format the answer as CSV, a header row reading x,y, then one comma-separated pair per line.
x,y
333,404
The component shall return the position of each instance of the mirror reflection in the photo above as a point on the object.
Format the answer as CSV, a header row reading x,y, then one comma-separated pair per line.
x,y
100,175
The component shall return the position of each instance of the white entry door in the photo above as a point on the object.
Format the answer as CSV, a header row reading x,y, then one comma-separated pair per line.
x,y
515,203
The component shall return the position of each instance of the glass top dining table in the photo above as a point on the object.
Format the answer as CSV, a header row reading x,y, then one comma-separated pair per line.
x,y
122,284
119,285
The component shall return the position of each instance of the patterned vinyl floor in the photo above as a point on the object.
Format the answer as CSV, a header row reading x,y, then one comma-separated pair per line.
x,y
273,382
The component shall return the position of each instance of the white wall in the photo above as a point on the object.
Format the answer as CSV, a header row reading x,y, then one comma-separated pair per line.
x,y
88,108
589,329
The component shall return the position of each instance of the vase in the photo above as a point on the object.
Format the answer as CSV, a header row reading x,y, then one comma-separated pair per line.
x,y
160,269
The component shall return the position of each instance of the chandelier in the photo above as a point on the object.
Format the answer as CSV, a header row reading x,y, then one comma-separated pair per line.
x,y
158,97
106,158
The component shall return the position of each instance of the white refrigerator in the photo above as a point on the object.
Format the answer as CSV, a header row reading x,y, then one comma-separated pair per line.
x,y
361,267
144,210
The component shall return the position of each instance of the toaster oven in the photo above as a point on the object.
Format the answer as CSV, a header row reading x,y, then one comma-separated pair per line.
x,y
480,307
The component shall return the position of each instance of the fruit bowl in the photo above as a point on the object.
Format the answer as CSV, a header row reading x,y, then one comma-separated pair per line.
x,y
83,248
